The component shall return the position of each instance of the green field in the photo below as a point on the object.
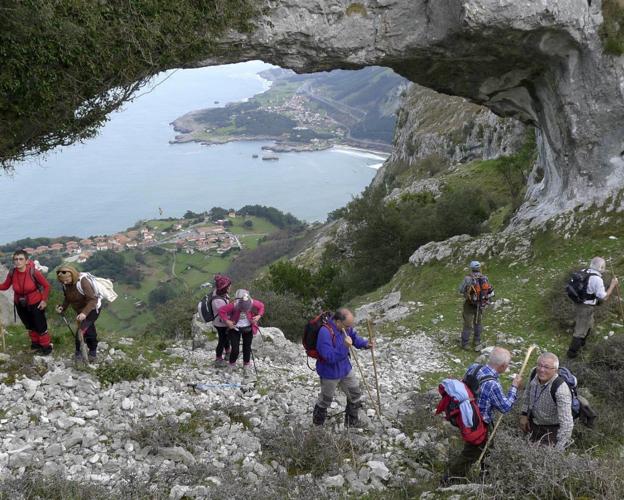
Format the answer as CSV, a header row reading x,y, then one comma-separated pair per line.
x,y
191,271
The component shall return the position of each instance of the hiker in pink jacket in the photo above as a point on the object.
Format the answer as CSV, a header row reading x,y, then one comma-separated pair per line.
x,y
242,317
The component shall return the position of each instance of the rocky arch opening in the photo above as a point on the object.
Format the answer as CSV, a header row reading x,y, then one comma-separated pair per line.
x,y
542,64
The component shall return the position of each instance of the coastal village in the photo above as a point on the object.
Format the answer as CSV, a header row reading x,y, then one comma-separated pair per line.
x,y
182,236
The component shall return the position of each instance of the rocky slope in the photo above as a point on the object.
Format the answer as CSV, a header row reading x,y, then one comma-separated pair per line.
x,y
541,62
155,432
435,133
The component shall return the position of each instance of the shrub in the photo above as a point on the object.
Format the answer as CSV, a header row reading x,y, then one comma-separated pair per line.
x,y
122,369
165,432
313,451
162,293
286,312
517,469
33,484
173,318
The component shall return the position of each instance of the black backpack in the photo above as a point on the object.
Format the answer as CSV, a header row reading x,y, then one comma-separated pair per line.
x,y
577,287
205,308
473,382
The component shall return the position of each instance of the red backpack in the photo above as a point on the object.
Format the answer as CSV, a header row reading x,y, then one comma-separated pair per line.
x,y
310,334
477,434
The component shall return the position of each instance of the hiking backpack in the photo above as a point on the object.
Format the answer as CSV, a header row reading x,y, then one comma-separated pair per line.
x,y
102,287
204,308
477,433
310,334
479,291
565,376
577,287
32,270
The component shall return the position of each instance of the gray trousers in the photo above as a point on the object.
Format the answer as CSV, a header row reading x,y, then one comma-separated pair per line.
x,y
472,317
349,385
584,320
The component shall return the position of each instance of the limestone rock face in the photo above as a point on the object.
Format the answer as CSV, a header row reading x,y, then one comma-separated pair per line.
x,y
541,62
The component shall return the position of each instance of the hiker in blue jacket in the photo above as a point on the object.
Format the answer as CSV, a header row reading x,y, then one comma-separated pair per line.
x,y
334,366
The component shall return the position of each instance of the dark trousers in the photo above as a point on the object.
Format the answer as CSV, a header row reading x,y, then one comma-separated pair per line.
x,y
224,341
34,319
472,315
234,337
87,327
461,464
544,434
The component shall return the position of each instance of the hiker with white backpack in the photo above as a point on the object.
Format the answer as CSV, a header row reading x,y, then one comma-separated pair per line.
x,y
30,297
84,293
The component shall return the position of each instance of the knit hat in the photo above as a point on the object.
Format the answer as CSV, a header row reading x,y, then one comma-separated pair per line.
x,y
221,283
71,270
243,300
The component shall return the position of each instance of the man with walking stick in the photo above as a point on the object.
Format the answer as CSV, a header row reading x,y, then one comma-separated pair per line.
x,y
490,397
587,290
335,339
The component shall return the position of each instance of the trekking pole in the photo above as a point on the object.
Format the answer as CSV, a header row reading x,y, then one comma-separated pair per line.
x,y
78,335
372,337
3,334
357,362
617,289
500,417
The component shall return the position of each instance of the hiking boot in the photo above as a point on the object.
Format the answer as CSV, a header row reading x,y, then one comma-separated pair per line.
x,y
319,415
479,346
220,362
465,347
246,366
232,366
352,418
47,350
92,356
35,347
574,348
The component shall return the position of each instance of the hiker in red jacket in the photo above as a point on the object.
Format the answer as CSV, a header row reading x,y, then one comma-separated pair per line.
x,y
30,296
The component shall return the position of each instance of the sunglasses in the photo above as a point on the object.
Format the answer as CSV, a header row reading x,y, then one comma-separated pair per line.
x,y
63,272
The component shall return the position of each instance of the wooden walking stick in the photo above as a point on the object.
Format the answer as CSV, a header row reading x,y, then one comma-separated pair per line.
x,y
371,336
357,362
500,417
617,289
3,335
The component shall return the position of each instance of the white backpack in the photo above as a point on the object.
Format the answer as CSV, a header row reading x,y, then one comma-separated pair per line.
x,y
103,288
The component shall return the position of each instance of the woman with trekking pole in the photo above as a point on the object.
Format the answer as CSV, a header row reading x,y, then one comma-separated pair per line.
x,y
30,296
81,296
242,317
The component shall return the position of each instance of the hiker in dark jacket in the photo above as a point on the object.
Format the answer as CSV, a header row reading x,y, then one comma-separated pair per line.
x,y
476,291
81,296
30,296
491,397
242,317
219,299
334,367
594,295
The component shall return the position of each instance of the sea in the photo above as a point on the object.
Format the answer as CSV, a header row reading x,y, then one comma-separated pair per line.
x,y
131,172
